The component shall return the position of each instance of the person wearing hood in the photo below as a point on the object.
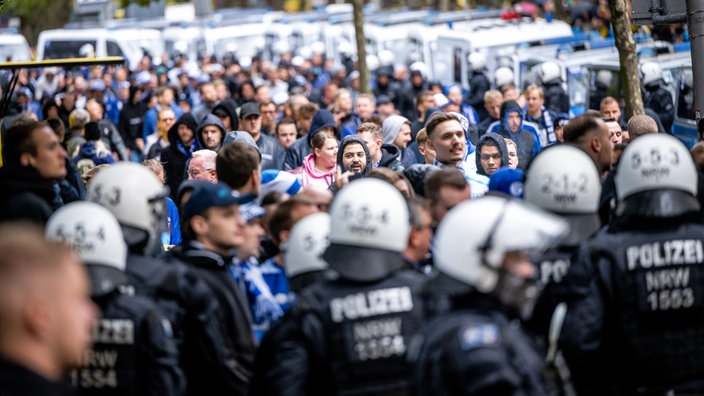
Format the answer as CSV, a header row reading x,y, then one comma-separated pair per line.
x,y
492,154
210,133
353,161
523,133
182,139
323,120
226,111
386,155
318,169
397,131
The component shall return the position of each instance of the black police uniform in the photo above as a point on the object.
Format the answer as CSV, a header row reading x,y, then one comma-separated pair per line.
x,y
478,348
133,351
478,85
640,328
18,380
659,99
231,356
343,338
190,305
556,99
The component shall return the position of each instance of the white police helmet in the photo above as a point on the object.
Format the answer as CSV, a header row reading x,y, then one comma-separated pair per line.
x,y
474,237
386,58
308,240
95,235
369,228
372,62
476,60
86,51
563,179
652,166
318,48
419,67
502,76
649,72
549,71
134,195
604,77
282,47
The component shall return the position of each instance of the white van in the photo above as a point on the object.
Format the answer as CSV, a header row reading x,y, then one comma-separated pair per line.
x,y
129,43
13,47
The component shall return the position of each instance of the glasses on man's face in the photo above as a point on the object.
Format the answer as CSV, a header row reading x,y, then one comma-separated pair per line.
x,y
195,172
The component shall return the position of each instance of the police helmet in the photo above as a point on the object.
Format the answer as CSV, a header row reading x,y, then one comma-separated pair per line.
x,y
282,47
563,179
95,235
604,77
650,72
502,76
308,240
386,58
318,48
419,67
472,251
86,51
136,198
476,60
372,62
656,177
369,228
549,71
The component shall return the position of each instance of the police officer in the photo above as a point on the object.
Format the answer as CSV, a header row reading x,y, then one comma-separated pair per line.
x,y
556,99
136,198
478,83
478,347
133,352
655,96
307,241
350,335
640,329
563,180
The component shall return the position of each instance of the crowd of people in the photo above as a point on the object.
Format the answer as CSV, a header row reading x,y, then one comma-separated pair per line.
x,y
272,230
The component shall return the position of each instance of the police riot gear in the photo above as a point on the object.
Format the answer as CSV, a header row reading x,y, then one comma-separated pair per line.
x,y
133,351
351,335
477,347
307,241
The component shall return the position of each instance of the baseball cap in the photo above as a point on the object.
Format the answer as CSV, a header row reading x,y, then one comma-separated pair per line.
x,y
383,99
507,181
248,109
209,195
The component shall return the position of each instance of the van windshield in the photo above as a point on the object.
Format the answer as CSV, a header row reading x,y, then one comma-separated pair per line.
x,y
58,49
14,52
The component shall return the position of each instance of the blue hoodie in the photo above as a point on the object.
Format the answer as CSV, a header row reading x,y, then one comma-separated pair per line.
x,y
321,119
525,137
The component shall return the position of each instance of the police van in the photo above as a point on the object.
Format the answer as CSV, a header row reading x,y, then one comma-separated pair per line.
x,y
13,46
684,126
129,43
493,37
242,34
184,38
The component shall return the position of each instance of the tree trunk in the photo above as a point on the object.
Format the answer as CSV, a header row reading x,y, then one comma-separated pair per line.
x,y
630,80
364,86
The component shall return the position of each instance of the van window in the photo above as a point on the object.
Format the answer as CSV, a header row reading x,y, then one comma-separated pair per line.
x,y
457,61
112,48
58,49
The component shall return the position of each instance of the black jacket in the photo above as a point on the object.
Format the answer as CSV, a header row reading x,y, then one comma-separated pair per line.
x,y
134,332
477,349
131,121
273,153
295,154
17,380
24,195
390,158
232,319
176,155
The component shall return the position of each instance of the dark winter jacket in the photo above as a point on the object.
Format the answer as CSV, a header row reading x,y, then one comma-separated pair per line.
x,y
527,141
391,158
176,155
25,195
230,107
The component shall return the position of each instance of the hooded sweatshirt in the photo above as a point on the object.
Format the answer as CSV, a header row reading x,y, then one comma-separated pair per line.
x,y
311,177
230,107
176,155
527,141
391,127
302,146
499,140
353,139
210,119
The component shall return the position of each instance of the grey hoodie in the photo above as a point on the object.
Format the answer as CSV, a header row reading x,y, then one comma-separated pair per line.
x,y
210,119
392,126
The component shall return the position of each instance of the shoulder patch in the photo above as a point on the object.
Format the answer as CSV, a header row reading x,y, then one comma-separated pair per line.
x,y
478,336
